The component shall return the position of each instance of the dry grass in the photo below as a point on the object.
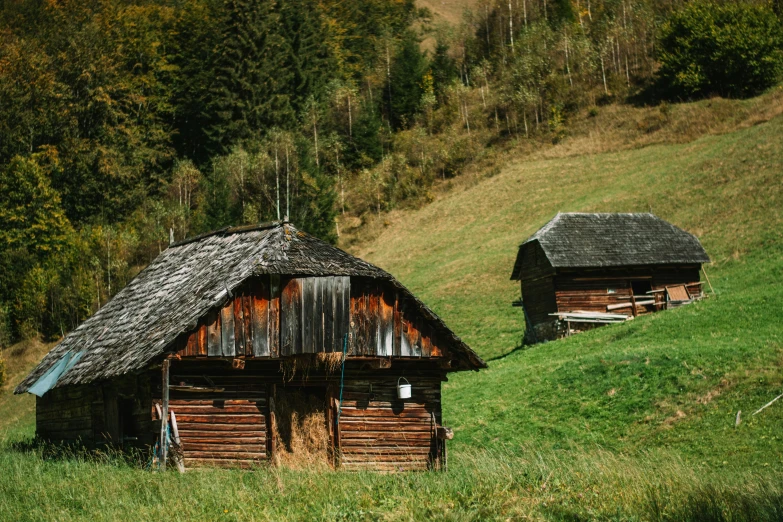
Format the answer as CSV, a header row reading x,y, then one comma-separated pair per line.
x,y
326,362
329,362
619,127
600,130
302,438
17,412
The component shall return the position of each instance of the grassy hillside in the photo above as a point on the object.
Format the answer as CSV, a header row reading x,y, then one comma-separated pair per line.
x,y
674,380
628,422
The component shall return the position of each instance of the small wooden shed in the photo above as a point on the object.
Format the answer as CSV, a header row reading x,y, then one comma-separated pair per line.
x,y
257,344
584,270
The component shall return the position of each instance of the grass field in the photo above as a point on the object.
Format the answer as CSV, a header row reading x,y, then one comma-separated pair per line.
x,y
628,422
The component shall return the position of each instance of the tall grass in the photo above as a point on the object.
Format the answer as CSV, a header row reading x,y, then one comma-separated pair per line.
x,y
522,483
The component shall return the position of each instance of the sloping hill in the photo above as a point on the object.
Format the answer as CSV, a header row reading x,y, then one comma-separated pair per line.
x,y
673,380
629,422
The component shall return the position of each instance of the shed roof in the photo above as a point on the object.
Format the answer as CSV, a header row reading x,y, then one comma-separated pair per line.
x,y
572,240
190,278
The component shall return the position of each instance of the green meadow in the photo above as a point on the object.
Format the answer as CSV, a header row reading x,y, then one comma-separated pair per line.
x,y
629,422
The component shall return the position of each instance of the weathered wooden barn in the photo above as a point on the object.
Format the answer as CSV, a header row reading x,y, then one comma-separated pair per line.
x,y
257,344
582,270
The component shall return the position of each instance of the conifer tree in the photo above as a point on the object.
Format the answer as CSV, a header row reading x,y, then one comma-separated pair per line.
x,y
405,82
252,79
443,68
309,59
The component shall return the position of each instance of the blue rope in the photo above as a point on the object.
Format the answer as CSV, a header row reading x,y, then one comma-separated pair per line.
x,y
342,379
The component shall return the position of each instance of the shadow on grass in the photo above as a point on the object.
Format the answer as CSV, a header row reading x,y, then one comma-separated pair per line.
x,y
711,504
76,451
520,347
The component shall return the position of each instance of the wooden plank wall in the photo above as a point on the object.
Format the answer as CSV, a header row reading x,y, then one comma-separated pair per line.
x,y
589,290
276,317
223,428
380,432
538,295
246,326
383,324
66,414
314,314
591,294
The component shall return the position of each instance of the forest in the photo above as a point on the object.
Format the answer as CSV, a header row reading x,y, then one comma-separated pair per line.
x,y
125,124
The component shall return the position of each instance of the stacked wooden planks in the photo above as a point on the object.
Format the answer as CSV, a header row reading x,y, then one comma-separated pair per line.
x,y
380,432
223,428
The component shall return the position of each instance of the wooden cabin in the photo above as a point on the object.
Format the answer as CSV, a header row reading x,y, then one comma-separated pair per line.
x,y
581,270
255,345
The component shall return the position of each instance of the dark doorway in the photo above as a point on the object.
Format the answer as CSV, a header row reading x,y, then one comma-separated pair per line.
x,y
128,429
641,287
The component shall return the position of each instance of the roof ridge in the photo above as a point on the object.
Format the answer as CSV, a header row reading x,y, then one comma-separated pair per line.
x,y
238,229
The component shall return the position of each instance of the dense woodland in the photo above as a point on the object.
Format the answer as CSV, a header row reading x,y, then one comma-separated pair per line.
x,y
124,124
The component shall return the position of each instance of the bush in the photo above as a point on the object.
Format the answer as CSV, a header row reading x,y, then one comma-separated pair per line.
x,y
727,49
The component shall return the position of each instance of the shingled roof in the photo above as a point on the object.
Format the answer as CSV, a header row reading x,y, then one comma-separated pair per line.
x,y
572,240
192,277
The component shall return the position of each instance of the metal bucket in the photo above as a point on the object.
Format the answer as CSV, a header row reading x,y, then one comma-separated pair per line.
x,y
403,390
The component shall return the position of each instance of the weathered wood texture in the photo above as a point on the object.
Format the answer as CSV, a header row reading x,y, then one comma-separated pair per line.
x,y
225,426
380,432
538,296
594,291
270,317
116,412
66,414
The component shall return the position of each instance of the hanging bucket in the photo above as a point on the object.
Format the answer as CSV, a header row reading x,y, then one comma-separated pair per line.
x,y
403,390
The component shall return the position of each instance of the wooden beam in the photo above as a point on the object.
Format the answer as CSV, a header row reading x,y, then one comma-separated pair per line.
x,y
271,426
382,363
164,419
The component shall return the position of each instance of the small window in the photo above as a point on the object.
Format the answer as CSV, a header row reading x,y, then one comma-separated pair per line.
x,y
611,290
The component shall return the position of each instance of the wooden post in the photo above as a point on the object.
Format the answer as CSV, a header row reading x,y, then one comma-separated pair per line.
x,y
164,418
272,425
708,280
633,299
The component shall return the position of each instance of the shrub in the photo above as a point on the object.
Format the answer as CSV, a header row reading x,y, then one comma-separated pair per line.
x,y
727,49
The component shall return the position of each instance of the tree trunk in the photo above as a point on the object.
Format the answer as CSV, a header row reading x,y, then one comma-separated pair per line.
x,y
287,191
277,183
511,26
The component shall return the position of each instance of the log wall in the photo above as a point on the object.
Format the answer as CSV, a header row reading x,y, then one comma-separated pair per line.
x,y
378,431
223,426
594,290
225,414
66,414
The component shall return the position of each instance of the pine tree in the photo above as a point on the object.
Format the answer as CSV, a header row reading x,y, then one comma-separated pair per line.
x,y
252,79
443,68
309,60
405,83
